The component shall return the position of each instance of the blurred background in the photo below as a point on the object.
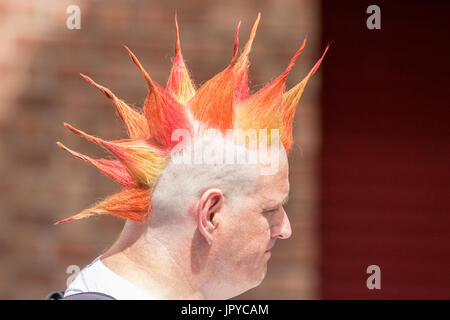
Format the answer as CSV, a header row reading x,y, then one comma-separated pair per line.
x,y
369,172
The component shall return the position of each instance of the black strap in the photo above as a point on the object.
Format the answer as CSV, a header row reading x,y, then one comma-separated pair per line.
x,y
59,295
55,295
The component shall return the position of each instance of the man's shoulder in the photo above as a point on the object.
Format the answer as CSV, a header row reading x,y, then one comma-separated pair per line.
x,y
96,277
87,280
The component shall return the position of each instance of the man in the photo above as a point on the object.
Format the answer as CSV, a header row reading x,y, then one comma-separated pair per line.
x,y
200,223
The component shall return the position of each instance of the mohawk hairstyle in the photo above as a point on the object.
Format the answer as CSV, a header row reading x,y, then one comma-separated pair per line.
x,y
224,102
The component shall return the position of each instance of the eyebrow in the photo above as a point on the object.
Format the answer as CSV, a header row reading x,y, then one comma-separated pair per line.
x,y
285,200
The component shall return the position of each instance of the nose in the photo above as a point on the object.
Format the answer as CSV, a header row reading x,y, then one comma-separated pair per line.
x,y
282,227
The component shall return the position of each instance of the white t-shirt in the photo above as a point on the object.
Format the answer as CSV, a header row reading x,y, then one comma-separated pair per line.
x,y
96,277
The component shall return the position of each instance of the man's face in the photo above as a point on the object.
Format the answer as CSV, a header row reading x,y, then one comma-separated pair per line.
x,y
247,233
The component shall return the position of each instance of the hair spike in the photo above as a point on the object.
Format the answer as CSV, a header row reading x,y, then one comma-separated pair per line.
x,y
180,84
290,102
276,86
111,168
236,44
147,78
223,102
262,109
248,45
130,203
317,65
177,39
143,161
213,103
163,113
134,121
241,89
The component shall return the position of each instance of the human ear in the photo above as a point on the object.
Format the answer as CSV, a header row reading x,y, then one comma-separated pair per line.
x,y
209,204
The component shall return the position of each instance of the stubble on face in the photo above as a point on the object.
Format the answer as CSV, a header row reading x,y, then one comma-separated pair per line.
x,y
247,234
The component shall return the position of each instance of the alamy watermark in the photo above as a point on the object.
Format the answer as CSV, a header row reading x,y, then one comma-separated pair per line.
x,y
74,20
73,270
374,281
252,147
374,20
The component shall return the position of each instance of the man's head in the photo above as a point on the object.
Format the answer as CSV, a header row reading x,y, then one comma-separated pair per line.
x,y
240,237
230,213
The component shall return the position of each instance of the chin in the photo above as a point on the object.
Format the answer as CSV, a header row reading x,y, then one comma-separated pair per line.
x,y
254,279
264,272
261,275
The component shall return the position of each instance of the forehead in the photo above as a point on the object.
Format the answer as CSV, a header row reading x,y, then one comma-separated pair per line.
x,y
274,188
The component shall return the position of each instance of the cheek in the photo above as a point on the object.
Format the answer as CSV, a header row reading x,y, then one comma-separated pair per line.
x,y
250,237
242,249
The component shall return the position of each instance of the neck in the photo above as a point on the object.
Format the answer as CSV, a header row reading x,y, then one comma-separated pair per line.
x,y
154,266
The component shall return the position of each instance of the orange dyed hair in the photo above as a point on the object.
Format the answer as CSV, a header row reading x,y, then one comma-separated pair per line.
x,y
224,102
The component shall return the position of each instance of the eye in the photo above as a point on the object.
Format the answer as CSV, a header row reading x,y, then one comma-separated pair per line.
x,y
269,211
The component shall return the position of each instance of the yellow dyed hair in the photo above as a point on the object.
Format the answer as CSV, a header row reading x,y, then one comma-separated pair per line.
x,y
224,102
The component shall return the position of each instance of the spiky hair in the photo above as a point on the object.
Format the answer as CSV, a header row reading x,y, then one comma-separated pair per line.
x,y
224,102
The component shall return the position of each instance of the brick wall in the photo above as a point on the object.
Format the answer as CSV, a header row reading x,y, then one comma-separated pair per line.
x,y
40,89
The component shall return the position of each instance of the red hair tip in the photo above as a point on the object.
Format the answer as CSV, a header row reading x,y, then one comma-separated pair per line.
x,y
130,53
236,43
177,40
64,220
87,78
68,126
317,65
73,129
84,76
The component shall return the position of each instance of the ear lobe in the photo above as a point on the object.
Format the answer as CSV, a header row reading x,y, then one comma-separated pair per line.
x,y
209,204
